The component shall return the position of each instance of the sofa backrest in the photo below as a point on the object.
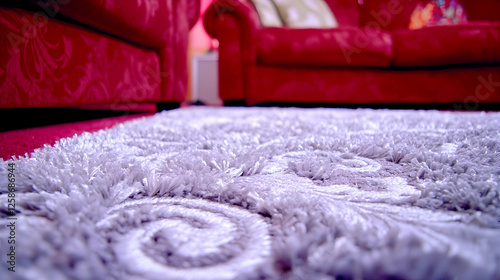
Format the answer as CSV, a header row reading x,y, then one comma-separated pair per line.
x,y
482,9
387,14
395,14
346,11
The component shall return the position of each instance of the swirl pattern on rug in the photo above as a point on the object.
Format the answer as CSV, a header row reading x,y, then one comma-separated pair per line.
x,y
264,193
186,238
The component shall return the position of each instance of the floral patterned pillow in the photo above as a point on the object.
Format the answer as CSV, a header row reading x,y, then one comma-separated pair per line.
x,y
437,12
268,13
306,13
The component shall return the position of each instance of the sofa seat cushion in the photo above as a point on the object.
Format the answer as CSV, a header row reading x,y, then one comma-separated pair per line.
x,y
342,47
476,42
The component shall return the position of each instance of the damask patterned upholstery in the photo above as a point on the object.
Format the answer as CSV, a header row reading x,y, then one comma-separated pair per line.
x,y
65,65
371,57
66,53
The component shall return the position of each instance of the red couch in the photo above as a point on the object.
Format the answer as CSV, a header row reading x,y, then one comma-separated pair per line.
x,y
75,52
371,58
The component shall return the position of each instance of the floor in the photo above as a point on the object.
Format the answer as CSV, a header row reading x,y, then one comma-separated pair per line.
x,y
24,130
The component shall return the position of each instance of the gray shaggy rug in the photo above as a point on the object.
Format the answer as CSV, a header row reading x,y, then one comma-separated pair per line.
x,y
261,193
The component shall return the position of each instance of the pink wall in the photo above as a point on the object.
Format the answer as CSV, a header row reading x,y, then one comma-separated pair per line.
x,y
198,38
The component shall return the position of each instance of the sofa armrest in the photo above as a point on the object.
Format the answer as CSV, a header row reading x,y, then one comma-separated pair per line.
x,y
246,15
235,24
223,13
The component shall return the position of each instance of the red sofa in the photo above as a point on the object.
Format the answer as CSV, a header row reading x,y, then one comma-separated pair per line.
x,y
371,58
56,53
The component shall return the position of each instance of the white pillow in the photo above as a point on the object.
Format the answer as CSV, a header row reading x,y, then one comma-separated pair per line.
x,y
268,13
306,14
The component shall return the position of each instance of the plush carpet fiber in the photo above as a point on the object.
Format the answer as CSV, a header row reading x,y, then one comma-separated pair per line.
x,y
262,193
